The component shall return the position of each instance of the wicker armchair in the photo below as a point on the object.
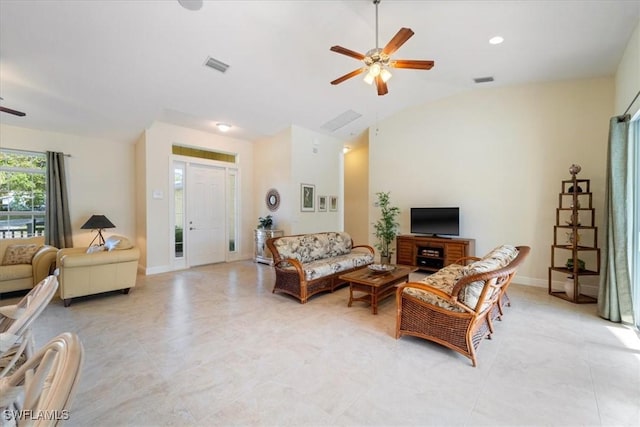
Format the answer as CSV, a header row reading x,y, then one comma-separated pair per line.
x,y
41,391
451,323
16,340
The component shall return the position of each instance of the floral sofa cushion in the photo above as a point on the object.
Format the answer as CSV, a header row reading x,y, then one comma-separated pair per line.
x,y
499,257
313,247
336,264
443,279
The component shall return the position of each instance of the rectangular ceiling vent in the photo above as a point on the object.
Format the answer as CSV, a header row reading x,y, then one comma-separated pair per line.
x,y
216,65
341,120
483,79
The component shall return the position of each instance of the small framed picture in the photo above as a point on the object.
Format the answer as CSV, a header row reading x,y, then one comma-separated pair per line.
x,y
333,203
322,203
307,197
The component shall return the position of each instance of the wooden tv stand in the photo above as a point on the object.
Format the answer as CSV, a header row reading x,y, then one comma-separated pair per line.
x,y
431,253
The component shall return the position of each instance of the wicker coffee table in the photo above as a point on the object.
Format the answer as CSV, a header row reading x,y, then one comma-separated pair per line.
x,y
375,286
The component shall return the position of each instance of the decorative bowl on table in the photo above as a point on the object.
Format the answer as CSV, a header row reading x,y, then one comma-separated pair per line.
x,y
381,268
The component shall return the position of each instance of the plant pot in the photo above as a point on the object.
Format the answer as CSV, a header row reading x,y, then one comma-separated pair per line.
x,y
568,287
385,260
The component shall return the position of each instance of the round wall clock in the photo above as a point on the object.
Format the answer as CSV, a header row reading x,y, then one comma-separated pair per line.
x,y
273,200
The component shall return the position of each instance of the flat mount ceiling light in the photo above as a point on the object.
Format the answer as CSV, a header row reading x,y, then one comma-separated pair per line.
x,y
223,127
496,40
377,61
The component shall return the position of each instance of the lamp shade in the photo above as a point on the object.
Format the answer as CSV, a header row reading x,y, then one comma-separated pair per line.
x,y
97,222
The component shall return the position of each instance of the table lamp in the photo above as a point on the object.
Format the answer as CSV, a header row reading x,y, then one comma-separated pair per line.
x,y
98,222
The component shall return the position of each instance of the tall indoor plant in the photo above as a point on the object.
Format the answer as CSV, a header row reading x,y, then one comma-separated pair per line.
x,y
386,228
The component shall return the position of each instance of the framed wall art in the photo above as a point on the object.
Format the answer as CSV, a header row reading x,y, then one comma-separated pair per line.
x,y
333,203
307,197
322,203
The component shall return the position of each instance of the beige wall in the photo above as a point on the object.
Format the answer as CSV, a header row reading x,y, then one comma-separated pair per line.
x,y
356,189
295,156
628,76
100,176
500,155
272,170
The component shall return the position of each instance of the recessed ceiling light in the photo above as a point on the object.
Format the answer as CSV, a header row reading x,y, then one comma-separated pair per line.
x,y
223,127
191,4
496,40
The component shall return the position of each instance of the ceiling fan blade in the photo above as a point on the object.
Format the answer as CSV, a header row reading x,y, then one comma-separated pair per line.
x,y
410,63
398,40
348,75
14,112
348,52
382,86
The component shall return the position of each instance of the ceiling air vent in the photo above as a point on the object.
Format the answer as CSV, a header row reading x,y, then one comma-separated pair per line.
x,y
341,120
483,79
216,65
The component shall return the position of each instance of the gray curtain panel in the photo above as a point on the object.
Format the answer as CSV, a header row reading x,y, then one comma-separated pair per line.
x,y
614,295
57,221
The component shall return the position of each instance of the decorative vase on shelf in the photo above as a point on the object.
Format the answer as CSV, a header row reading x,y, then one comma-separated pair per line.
x,y
568,287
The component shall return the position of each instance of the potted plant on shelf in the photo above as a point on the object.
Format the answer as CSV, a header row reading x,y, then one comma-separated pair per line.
x,y
386,228
265,223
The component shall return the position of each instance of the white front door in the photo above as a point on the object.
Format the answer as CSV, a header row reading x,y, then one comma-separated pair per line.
x,y
205,214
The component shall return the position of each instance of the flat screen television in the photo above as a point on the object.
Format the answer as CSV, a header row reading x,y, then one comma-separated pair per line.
x,y
435,221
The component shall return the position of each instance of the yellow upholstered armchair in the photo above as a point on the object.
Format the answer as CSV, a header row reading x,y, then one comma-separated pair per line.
x,y
97,269
24,263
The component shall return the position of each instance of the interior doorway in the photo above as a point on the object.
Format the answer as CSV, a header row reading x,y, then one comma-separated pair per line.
x,y
204,213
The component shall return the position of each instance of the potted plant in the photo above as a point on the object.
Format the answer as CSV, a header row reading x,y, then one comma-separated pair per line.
x,y
265,222
386,228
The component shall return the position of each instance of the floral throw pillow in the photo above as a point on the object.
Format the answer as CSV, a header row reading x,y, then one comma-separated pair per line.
x,y
19,254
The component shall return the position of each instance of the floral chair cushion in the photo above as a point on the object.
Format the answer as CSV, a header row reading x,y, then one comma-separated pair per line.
x,y
443,279
494,260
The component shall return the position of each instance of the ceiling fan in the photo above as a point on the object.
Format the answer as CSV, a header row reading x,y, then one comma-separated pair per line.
x,y
377,61
10,111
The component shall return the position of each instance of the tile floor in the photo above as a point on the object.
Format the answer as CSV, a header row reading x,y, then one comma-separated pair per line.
x,y
213,346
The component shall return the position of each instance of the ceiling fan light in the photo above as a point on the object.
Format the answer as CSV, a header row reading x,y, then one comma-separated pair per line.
x,y
385,75
368,78
375,69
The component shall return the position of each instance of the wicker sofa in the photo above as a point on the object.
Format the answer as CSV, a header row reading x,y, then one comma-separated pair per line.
x,y
456,305
306,264
25,262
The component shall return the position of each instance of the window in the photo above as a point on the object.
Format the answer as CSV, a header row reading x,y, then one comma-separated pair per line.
x,y
22,193
178,204
634,144
232,209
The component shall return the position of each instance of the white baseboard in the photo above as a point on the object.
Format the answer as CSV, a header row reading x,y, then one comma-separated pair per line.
x,y
590,289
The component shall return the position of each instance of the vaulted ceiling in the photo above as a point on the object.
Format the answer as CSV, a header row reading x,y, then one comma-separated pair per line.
x,y
108,69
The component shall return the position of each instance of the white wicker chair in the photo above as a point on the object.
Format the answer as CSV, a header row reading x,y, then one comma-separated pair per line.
x,y
40,392
16,340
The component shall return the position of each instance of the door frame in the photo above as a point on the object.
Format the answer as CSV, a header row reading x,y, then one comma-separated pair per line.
x,y
229,169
